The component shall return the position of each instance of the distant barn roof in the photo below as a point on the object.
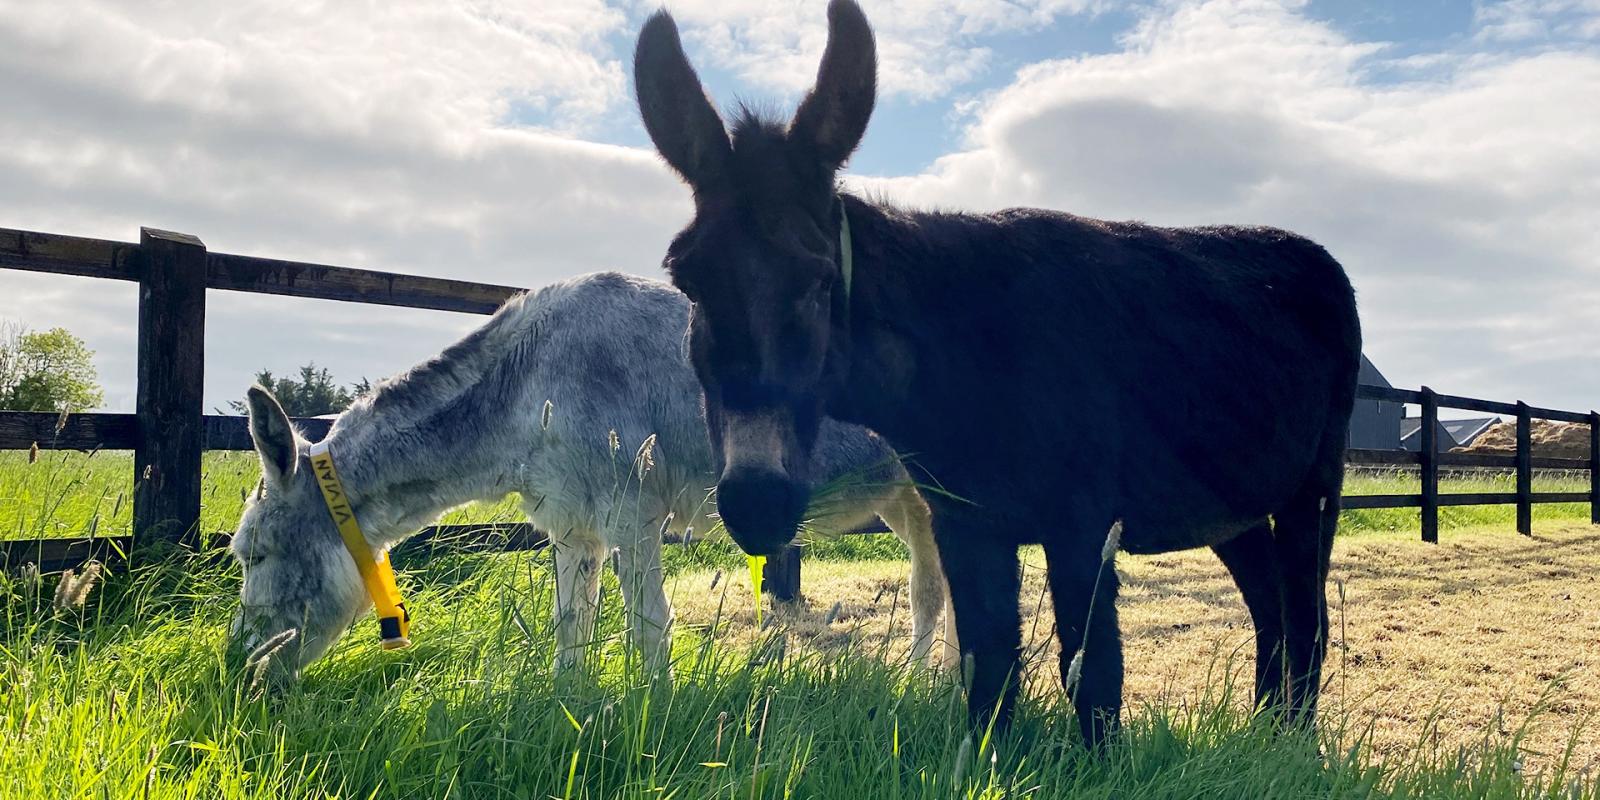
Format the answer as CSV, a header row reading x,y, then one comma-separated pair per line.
x,y
1370,376
1461,431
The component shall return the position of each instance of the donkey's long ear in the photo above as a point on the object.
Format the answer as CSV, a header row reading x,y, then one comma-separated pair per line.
x,y
685,128
273,435
833,117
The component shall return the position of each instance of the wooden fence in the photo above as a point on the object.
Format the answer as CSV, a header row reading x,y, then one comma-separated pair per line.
x,y
168,430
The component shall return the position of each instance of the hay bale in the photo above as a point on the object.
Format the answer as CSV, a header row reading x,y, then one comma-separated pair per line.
x,y
1550,439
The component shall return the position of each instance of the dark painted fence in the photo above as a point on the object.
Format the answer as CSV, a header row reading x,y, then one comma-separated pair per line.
x,y
168,431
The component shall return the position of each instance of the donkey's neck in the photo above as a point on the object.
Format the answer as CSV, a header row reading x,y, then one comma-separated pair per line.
x,y
902,308
400,477
437,436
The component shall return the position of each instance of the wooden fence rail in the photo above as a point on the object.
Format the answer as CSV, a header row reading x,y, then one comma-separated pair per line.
x,y
168,431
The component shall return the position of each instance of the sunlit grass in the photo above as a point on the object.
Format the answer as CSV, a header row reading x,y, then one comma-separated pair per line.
x,y
66,493
132,697
1368,481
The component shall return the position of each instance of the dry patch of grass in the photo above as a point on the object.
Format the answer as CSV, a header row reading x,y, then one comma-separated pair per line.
x,y
1458,642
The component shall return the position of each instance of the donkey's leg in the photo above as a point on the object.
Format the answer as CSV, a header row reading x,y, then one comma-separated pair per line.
x,y
1252,559
908,517
649,611
1303,533
984,589
578,557
1075,564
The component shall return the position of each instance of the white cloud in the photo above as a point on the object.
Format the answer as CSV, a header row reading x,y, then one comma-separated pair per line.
x,y
1464,209
343,133
1524,20
1463,205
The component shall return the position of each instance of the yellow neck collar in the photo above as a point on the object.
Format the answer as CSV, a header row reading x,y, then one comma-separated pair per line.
x,y
394,624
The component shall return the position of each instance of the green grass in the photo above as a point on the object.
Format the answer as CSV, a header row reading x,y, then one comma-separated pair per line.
x,y
1367,481
68,494
132,697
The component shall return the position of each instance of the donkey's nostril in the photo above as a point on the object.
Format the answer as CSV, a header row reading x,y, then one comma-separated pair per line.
x,y
760,509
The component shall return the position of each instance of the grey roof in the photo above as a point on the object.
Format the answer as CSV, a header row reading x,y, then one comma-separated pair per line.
x,y
1369,374
1461,431
1465,430
1409,427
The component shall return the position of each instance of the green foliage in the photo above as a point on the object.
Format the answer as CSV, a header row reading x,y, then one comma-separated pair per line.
x,y
46,371
314,394
134,695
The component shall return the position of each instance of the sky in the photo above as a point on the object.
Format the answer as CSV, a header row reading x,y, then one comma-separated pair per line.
x,y
1447,152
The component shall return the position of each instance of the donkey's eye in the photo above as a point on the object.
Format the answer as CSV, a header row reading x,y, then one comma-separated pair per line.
x,y
689,289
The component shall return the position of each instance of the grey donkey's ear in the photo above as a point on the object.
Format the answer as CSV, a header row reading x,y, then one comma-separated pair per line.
x,y
679,118
273,434
833,116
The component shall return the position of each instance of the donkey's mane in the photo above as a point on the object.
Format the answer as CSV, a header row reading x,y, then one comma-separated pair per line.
x,y
750,121
413,397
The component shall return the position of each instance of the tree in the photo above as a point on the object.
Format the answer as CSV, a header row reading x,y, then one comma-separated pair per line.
x,y
46,371
314,394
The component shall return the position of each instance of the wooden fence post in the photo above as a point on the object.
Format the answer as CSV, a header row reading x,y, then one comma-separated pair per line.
x,y
171,371
781,575
1594,467
1524,470
1429,453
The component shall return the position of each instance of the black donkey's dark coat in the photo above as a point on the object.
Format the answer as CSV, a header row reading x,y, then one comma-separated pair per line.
x,y
1050,374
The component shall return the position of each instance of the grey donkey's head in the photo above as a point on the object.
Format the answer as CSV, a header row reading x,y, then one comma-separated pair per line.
x,y
298,576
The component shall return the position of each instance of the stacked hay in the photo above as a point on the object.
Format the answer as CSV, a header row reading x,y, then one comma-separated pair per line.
x,y
1550,439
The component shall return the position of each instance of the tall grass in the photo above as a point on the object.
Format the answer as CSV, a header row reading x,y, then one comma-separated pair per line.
x,y
133,696
1401,481
134,693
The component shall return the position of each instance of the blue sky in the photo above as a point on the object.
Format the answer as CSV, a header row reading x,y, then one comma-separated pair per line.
x,y
910,132
1442,150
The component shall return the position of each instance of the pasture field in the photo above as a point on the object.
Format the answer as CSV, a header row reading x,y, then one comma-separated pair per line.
x,y
1465,669
1486,636
132,694
66,493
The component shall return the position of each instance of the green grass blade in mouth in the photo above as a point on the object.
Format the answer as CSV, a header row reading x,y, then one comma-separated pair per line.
x,y
757,564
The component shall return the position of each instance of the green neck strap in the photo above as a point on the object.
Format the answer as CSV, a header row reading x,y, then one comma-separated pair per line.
x,y
846,253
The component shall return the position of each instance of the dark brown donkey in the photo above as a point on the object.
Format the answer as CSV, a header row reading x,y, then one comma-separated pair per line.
x,y
1052,373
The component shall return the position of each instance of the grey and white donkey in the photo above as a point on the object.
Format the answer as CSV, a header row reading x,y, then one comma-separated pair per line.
x,y
528,403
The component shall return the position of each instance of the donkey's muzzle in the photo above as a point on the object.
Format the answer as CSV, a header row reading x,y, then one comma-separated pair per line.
x,y
760,508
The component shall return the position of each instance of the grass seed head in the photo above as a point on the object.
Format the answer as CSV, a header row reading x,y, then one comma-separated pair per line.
x,y
33,453
73,590
613,441
645,459
1113,542
262,656
963,755
1075,671
65,586
30,580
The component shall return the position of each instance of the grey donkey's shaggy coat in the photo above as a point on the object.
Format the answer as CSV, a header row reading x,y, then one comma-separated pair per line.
x,y
529,403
